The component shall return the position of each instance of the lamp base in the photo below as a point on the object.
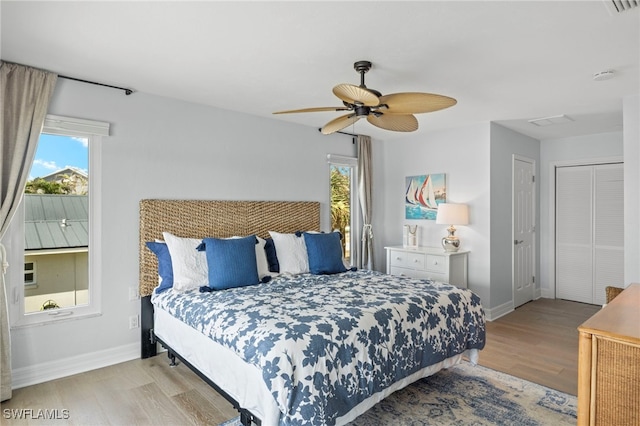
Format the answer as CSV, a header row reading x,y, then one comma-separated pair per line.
x,y
451,244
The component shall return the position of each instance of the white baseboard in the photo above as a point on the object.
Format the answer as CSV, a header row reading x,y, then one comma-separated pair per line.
x,y
499,311
40,373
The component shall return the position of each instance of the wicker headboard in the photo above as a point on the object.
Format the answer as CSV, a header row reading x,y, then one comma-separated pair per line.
x,y
206,218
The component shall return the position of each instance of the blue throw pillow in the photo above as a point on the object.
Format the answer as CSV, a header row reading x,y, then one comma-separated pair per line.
x,y
231,261
272,258
165,270
325,253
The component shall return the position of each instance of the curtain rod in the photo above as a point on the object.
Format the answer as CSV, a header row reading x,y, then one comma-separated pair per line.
x,y
126,91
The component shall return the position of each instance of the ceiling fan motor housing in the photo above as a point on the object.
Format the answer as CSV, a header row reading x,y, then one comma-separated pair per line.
x,y
362,111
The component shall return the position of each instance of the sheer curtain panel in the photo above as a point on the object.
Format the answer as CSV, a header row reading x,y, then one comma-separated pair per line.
x,y
365,174
25,93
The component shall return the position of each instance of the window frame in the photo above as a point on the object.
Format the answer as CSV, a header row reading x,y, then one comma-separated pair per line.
x,y
355,227
93,131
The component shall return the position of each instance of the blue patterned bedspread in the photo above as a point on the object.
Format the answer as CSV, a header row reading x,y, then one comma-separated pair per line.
x,y
324,343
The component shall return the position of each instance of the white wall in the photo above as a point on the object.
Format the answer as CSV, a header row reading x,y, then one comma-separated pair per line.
x,y
579,149
162,148
463,155
631,120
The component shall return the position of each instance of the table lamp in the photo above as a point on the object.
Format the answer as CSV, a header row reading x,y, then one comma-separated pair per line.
x,y
452,214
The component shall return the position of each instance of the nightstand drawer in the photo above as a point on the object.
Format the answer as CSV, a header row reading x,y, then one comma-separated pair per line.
x,y
404,259
436,263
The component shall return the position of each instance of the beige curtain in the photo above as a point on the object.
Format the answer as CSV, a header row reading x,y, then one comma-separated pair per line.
x,y
24,98
365,174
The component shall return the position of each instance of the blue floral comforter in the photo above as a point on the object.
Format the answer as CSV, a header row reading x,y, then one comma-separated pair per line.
x,y
324,343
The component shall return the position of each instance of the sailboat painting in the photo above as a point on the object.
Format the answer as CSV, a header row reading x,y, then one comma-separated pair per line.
x,y
423,194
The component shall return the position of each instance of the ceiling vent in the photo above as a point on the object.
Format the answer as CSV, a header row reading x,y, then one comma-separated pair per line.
x,y
619,6
549,121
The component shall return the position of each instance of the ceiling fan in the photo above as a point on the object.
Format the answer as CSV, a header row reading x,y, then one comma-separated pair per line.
x,y
390,112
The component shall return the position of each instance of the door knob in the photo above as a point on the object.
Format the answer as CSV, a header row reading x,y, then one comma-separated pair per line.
x,y
516,242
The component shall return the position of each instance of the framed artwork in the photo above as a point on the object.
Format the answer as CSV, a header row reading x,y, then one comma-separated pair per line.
x,y
423,194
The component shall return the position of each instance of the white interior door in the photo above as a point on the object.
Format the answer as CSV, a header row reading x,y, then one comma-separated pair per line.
x,y
524,220
589,231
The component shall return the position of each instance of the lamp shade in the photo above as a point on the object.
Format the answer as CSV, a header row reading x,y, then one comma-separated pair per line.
x,y
452,214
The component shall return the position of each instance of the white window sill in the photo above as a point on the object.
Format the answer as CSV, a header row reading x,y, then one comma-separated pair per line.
x,y
47,319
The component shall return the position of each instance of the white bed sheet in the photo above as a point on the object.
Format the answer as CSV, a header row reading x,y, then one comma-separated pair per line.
x,y
243,382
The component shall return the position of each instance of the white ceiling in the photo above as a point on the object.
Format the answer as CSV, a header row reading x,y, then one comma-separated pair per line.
x,y
504,61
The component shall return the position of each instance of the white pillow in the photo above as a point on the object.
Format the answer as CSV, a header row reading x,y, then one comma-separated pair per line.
x,y
261,258
189,265
292,253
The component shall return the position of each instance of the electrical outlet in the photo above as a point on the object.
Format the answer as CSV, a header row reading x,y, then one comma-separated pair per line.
x,y
133,293
133,322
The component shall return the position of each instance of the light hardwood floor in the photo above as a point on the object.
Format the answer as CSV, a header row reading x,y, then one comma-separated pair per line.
x,y
537,342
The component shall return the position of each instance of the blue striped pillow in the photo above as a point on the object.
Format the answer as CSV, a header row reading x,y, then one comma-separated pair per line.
x,y
325,253
231,262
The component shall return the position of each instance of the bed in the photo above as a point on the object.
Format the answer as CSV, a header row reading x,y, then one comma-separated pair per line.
x,y
305,348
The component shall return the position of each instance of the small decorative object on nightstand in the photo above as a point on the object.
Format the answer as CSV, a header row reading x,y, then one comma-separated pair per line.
x,y
452,214
428,263
410,236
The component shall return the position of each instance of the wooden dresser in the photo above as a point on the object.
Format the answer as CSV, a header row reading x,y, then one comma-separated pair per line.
x,y
609,363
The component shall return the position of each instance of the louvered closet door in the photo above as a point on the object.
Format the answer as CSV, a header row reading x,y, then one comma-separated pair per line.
x,y
608,230
574,267
589,231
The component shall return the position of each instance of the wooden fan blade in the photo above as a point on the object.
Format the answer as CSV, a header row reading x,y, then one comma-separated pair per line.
x,y
415,103
339,123
317,109
394,122
355,94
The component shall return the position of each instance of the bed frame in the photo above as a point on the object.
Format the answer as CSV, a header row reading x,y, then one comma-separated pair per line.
x,y
209,218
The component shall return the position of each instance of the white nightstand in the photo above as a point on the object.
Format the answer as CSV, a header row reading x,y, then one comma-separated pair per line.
x,y
428,262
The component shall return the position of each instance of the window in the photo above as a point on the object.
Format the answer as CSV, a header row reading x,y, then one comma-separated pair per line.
x,y
30,273
56,228
344,201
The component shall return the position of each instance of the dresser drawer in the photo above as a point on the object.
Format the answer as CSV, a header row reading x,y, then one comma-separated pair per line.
x,y
435,276
405,259
436,263
431,263
406,272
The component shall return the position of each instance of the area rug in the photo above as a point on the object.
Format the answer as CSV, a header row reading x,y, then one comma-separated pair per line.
x,y
470,395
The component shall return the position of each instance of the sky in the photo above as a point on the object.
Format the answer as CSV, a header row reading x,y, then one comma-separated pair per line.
x,y
57,152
